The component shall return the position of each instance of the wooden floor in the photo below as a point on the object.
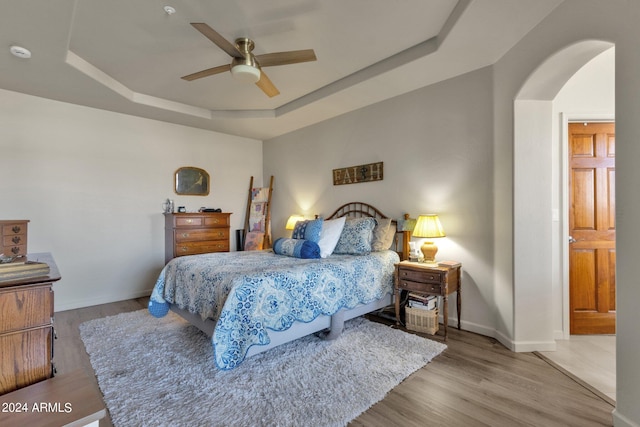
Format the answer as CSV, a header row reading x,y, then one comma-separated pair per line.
x,y
475,382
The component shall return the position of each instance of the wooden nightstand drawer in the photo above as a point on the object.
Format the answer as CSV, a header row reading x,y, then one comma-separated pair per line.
x,y
420,276
432,288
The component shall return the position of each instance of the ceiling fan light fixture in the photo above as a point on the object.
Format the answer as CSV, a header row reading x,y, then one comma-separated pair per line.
x,y
245,73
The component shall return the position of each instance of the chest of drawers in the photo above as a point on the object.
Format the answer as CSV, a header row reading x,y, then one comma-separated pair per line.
x,y
26,328
195,233
13,237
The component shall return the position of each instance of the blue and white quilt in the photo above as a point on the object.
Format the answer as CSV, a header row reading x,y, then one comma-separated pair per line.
x,y
250,293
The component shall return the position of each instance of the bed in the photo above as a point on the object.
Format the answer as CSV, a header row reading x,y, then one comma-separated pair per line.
x,y
249,302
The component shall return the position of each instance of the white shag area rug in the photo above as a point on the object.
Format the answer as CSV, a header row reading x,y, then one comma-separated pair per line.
x,y
161,372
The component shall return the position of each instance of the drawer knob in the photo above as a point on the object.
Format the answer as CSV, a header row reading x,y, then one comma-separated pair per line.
x,y
189,221
185,234
15,250
183,249
16,239
16,229
215,220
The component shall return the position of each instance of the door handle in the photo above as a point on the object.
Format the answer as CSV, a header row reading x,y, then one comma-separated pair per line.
x,y
572,240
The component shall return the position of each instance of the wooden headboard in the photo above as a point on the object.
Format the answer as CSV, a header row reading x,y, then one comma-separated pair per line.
x,y
360,210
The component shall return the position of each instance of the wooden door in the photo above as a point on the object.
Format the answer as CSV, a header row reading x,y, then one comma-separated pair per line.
x,y
592,252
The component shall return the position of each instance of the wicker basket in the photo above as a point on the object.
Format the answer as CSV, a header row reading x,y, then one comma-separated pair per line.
x,y
419,320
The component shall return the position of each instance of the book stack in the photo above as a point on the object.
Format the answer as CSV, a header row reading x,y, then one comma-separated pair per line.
x,y
421,313
18,270
423,302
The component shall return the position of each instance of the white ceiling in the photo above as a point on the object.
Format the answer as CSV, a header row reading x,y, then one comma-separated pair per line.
x,y
128,55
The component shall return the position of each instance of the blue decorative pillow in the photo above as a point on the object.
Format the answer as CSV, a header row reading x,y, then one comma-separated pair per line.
x,y
297,248
356,237
308,229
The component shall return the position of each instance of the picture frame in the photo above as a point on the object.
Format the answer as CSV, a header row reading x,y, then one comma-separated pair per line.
x,y
191,181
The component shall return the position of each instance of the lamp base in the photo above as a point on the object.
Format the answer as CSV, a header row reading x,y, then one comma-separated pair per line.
x,y
429,251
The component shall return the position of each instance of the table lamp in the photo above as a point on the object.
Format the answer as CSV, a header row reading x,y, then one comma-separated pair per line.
x,y
291,222
428,226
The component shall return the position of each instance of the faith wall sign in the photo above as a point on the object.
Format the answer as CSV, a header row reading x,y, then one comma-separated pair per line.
x,y
357,174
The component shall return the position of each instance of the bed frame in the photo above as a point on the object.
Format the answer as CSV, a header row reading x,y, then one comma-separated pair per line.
x,y
329,327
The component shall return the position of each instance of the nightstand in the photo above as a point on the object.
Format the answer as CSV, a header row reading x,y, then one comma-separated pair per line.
x,y
430,280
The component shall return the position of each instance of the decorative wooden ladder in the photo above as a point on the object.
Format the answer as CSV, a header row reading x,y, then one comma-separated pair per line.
x,y
257,225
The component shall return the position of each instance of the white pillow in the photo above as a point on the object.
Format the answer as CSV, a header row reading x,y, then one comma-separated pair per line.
x,y
329,235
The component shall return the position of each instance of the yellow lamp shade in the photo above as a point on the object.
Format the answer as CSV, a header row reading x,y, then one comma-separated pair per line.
x,y
291,222
428,226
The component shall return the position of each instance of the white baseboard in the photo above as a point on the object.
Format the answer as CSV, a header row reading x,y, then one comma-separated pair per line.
x,y
620,420
528,346
504,340
104,299
485,331
473,327
520,347
560,335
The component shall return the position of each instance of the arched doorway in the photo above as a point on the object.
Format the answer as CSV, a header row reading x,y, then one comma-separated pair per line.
x,y
540,198
534,138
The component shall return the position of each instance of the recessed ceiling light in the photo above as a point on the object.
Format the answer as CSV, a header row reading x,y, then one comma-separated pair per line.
x,y
169,10
20,52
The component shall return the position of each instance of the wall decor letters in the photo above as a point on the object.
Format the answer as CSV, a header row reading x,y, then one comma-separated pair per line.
x,y
357,174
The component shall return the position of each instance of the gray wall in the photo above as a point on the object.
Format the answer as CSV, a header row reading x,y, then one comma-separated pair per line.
x,y
436,145
92,182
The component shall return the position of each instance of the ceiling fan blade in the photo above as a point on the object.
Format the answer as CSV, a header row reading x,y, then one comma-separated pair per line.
x,y
220,41
284,58
267,86
208,72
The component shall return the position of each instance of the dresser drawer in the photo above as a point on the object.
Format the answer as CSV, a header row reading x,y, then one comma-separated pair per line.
x,y
14,250
191,221
432,288
420,276
14,239
201,235
217,221
15,228
193,248
26,358
25,308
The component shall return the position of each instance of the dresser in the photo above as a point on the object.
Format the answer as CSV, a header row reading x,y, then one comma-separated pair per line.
x,y
195,233
26,328
13,237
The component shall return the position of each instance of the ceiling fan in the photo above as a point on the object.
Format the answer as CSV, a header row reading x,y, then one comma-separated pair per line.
x,y
246,66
